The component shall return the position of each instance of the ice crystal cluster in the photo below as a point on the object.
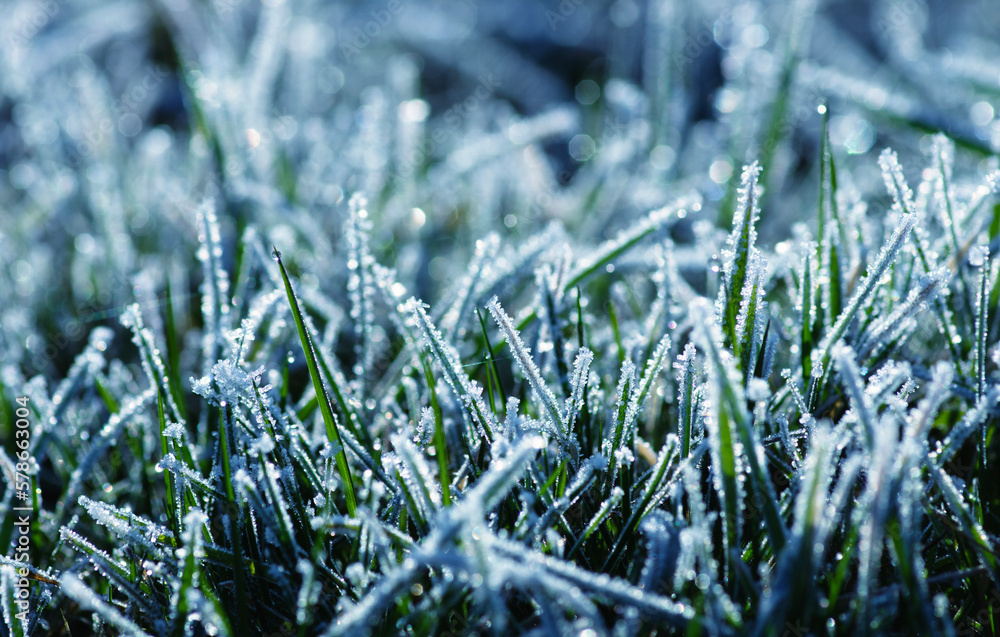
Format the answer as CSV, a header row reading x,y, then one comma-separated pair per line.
x,y
513,318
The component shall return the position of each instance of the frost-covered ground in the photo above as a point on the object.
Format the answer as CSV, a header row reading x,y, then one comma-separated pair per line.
x,y
523,317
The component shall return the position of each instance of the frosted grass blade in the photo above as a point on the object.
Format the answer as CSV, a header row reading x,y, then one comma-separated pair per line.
x,y
861,297
215,288
850,375
88,599
750,322
529,368
723,379
686,397
468,393
904,204
981,259
738,253
578,387
360,287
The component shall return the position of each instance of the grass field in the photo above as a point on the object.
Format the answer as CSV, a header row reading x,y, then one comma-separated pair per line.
x,y
525,318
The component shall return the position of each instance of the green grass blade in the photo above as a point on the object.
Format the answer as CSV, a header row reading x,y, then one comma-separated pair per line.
x,y
326,408
235,522
807,318
832,234
491,361
167,480
440,441
737,255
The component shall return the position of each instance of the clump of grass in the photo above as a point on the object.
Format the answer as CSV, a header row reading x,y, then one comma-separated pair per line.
x,y
832,496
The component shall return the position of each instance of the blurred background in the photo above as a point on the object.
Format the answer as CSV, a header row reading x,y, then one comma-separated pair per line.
x,y
458,120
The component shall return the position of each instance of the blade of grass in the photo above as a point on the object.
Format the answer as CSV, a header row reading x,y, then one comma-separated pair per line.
x,y
235,522
491,360
324,399
737,255
734,399
440,441
171,502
